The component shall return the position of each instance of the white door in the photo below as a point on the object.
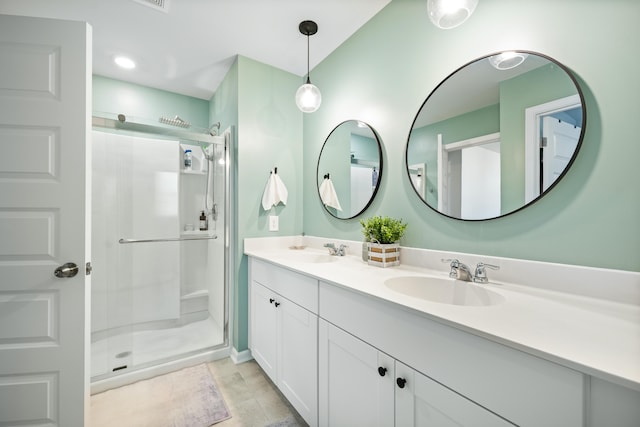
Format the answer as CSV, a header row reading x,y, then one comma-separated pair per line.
x,y
420,401
480,181
44,220
561,142
355,381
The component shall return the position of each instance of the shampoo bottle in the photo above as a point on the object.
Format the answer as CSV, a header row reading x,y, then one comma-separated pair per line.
x,y
203,222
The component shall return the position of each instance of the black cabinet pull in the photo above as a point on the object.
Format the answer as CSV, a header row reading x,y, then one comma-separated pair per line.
x,y
277,304
382,371
271,300
401,382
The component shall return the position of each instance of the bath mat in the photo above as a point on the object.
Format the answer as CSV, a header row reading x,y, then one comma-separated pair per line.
x,y
185,398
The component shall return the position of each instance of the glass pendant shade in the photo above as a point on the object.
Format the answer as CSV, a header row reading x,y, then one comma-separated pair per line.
x,y
308,98
447,14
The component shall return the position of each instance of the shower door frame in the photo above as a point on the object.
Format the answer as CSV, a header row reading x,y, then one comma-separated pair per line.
x,y
206,354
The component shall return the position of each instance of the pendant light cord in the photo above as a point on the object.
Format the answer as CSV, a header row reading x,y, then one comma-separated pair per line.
x,y
308,72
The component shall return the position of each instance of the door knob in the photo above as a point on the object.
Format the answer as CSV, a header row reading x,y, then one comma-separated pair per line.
x,y
382,371
67,270
401,382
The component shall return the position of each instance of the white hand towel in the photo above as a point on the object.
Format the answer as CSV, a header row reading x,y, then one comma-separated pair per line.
x,y
328,194
274,192
281,190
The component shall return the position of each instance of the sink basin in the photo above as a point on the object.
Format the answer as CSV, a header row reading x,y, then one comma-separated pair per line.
x,y
444,291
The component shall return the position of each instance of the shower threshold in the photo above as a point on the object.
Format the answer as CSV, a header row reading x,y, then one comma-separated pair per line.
x,y
115,355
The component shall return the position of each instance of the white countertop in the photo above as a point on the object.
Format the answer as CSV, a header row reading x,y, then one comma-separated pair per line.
x,y
600,337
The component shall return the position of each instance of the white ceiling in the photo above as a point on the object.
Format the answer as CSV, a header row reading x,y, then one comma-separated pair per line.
x,y
189,48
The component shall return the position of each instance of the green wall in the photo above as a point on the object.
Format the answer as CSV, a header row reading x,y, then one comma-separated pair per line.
x,y
149,104
385,71
259,101
424,140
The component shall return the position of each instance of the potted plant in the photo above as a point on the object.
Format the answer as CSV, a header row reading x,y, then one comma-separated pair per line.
x,y
382,235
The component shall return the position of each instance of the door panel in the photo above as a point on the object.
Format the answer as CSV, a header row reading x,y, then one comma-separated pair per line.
x,y
351,391
298,361
263,338
44,220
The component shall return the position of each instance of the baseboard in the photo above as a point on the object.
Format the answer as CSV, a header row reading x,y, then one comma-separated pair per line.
x,y
240,357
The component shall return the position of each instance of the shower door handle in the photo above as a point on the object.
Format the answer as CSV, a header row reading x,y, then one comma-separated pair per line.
x,y
67,270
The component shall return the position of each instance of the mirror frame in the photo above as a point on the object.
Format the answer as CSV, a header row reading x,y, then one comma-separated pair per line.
x,y
552,185
380,168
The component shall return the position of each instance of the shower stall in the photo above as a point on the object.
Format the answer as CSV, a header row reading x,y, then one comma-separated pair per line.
x,y
160,249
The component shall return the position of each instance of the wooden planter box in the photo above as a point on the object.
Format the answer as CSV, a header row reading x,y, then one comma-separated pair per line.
x,y
383,255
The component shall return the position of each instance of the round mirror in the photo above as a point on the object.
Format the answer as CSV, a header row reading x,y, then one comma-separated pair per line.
x,y
349,169
495,135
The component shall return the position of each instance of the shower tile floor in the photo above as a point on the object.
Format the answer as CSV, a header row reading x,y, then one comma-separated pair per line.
x,y
148,346
251,397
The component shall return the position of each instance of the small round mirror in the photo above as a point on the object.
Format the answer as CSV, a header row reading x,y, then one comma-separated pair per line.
x,y
349,169
496,135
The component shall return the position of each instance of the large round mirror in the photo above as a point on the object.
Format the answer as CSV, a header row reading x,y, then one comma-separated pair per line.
x,y
495,135
349,169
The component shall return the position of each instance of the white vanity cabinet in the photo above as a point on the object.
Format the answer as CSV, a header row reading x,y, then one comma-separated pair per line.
x,y
283,332
324,344
362,386
518,387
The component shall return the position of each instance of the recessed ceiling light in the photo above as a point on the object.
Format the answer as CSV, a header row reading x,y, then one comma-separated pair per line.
x,y
507,60
124,62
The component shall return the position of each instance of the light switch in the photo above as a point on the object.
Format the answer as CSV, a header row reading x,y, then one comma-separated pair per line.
x,y
273,223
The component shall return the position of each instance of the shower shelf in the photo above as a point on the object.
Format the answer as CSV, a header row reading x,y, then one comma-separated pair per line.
x,y
193,172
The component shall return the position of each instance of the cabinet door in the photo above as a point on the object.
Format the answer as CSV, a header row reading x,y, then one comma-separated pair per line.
x,y
423,402
298,358
263,328
352,390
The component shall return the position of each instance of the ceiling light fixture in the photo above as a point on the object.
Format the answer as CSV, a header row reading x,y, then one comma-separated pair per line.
x,y
308,97
507,60
447,14
124,62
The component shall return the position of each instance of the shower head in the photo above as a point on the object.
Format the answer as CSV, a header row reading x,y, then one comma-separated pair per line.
x,y
212,131
176,121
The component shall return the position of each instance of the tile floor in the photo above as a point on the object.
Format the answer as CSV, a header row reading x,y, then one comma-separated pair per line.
x,y
251,397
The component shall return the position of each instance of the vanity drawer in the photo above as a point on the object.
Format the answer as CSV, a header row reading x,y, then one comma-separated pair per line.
x,y
301,289
524,389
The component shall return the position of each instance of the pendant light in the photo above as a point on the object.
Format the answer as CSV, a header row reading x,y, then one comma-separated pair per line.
x,y
447,14
308,97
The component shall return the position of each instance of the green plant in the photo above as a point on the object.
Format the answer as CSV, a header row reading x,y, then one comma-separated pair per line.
x,y
382,229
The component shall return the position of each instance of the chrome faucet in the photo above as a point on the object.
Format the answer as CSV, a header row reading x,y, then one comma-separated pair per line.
x,y
480,276
339,251
459,270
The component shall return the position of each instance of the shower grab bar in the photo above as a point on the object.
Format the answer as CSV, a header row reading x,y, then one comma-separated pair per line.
x,y
169,239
